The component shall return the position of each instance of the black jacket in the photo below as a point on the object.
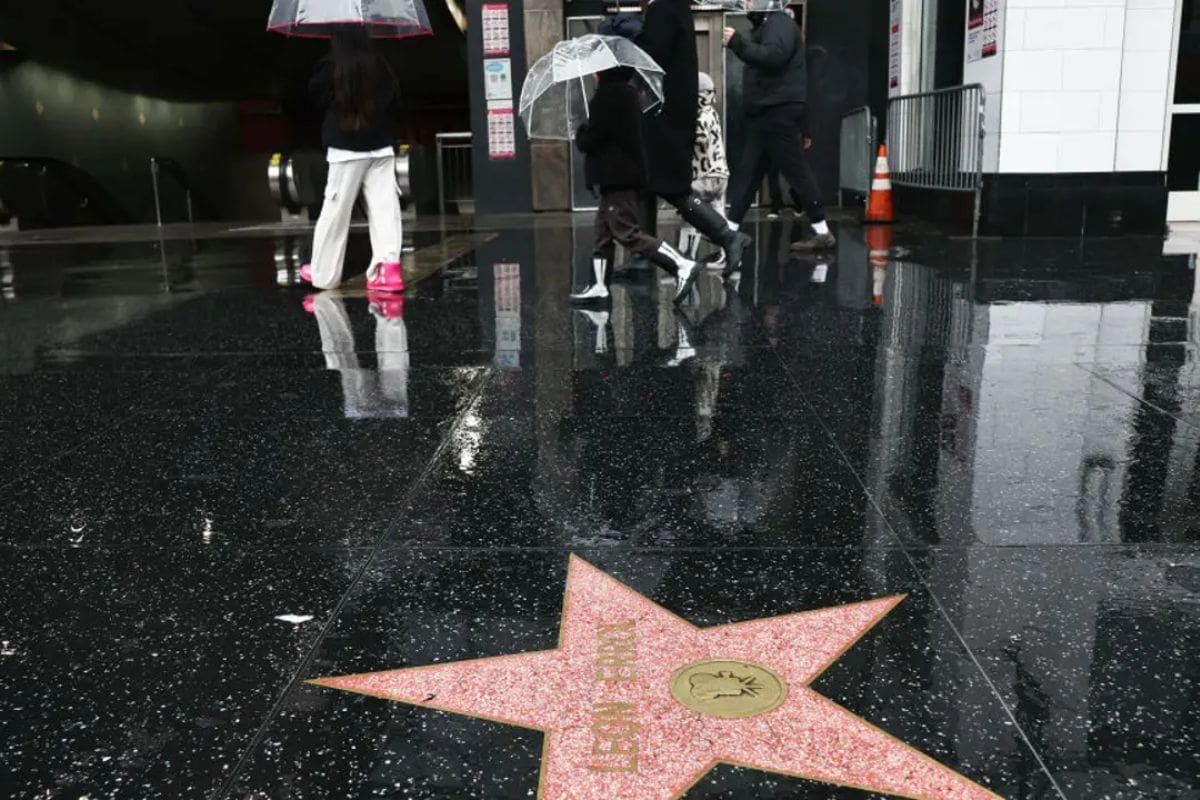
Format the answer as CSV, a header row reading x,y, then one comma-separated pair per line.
x,y
611,140
379,131
669,37
775,73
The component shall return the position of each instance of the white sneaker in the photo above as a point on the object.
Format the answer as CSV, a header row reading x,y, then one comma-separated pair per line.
x,y
597,291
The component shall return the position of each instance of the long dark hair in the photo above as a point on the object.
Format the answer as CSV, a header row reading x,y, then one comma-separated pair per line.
x,y
356,75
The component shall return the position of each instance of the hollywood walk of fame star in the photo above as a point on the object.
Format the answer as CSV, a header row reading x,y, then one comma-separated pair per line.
x,y
636,703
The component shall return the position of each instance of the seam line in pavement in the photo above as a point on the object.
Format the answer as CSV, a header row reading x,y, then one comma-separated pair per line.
x,y
912,564
376,548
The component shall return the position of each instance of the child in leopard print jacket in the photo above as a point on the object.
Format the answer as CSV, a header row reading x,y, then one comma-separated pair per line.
x,y
710,169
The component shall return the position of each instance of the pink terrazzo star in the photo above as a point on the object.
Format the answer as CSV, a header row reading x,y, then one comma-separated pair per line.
x,y
614,729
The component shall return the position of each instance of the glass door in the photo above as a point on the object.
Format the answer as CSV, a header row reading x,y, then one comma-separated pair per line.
x,y
1183,143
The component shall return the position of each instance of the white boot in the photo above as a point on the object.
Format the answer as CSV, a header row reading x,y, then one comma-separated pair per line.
x,y
600,320
598,291
684,350
683,268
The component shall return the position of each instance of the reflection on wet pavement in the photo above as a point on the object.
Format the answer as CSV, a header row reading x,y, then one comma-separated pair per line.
x,y
217,486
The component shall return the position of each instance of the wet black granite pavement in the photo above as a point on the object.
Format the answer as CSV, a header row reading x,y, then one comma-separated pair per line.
x,y
211,496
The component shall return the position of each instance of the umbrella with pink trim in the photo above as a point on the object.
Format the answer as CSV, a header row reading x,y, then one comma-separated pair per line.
x,y
316,19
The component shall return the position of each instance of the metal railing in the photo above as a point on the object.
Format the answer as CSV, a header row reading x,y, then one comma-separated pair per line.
x,y
935,141
454,176
856,158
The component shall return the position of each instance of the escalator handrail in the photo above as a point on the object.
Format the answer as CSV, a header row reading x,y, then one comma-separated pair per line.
x,y
77,179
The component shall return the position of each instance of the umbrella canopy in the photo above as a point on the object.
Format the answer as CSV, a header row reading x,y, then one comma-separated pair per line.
x,y
754,6
384,19
559,86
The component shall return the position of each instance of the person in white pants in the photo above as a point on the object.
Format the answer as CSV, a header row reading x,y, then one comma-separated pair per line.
x,y
374,173
368,394
358,93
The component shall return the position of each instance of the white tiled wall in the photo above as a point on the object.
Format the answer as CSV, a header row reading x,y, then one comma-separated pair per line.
x,y
989,72
1149,30
1079,85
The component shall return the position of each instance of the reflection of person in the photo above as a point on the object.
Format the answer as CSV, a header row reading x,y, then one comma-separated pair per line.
x,y
368,394
775,189
710,169
358,93
775,95
668,35
615,165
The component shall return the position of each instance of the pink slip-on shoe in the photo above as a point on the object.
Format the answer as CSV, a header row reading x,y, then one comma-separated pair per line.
x,y
306,273
309,304
387,305
390,278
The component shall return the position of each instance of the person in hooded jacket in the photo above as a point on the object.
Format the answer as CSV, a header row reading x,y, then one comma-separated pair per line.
x,y
615,166
775,94
667,32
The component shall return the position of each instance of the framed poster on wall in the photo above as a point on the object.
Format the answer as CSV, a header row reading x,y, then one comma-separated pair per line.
x,y
982,29
896,8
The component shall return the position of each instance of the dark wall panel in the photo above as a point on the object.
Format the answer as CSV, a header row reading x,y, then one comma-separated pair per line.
x,y
501,186
111,135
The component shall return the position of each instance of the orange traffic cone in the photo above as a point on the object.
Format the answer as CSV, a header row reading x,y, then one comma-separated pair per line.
x,y
879,204
879,253
879,245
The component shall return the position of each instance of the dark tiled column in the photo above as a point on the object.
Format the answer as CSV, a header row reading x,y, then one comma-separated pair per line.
x,y
549,163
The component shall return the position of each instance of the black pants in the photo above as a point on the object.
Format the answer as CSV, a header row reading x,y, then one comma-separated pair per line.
x,y
775,191
617,222
775,137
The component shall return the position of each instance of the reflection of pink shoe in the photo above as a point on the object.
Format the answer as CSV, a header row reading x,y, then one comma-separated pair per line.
x,y
306,273
390,278
388,306
309,304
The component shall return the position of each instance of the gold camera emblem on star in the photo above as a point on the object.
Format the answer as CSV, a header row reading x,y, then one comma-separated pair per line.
x,y
728,689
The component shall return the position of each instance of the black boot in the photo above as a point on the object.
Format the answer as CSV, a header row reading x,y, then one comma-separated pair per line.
x,y
705,219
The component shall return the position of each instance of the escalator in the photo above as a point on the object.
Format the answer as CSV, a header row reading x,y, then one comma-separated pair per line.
x,y
48,193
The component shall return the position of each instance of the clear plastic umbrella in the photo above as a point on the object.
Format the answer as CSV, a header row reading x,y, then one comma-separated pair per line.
x,y
385,19
559,86
754,6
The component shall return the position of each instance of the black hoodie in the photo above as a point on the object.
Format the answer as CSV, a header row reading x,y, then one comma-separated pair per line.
x,y
775,73
379,131
611,139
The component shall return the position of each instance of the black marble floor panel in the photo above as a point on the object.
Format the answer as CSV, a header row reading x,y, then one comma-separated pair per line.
x,y
147,673
747,382
170,479
962,452
1097,652
218,484
45,412
362,389
1168,380
910,675
554,469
